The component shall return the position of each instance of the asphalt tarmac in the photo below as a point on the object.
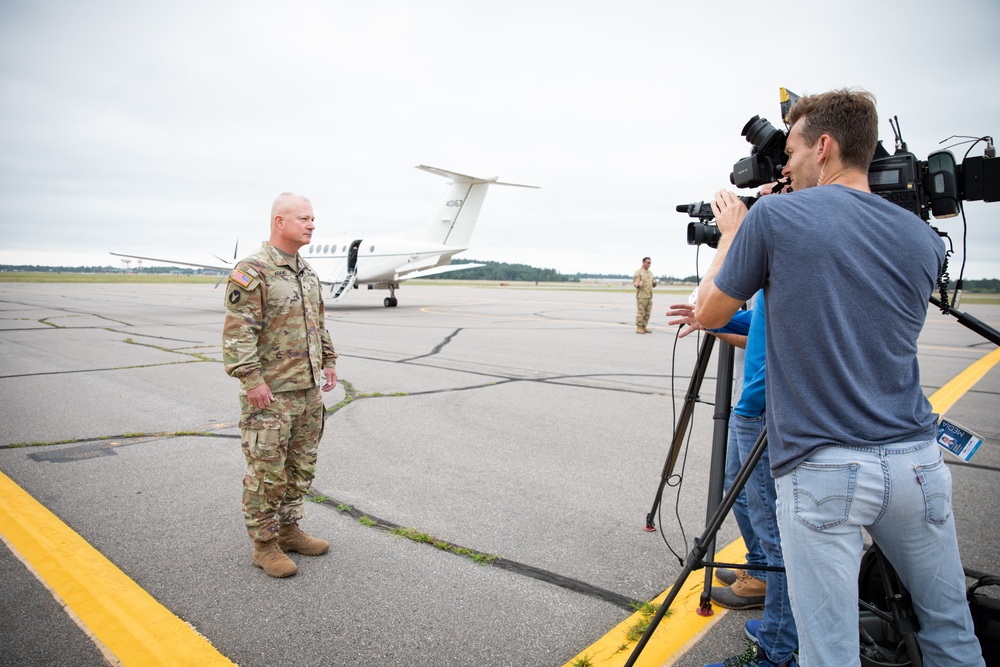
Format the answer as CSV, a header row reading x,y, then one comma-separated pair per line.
x,y
489,459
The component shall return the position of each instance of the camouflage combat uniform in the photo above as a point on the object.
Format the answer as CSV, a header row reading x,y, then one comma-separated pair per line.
x,y
274,332
643,296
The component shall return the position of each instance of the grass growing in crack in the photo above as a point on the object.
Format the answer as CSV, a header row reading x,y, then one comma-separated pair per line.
x,y
408,533
646,611
124,436
424,538
583,661
413,534
484,559
378,394
195,355
351,395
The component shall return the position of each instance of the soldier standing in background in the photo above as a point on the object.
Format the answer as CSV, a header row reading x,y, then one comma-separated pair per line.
x,y
643,282
276,343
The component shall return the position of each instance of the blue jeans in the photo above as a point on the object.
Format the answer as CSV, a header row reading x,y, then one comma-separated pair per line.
x,y
777,636
755,556
901,494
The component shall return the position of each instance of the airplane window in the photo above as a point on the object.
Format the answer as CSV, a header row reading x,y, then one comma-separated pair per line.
x,y
326,249
310,250
372,249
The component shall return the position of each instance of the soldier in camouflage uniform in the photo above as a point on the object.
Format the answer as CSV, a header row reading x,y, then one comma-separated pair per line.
x,y
276,343
643,282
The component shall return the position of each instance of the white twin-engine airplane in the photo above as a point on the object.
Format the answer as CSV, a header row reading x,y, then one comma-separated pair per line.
x,y
383,262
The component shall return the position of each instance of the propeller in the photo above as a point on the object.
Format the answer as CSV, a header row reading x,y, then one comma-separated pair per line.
x,y
226,261
235,251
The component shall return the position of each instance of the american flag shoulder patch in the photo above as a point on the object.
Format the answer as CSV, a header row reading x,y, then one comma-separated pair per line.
x,y
240,278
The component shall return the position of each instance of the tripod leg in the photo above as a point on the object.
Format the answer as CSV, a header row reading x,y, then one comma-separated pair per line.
x,y
683,423
717,473
696,556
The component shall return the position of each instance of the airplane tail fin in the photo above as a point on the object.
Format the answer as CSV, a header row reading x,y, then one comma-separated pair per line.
x,y
455,220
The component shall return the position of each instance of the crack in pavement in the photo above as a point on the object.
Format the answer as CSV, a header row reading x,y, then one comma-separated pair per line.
x,y
492,560
106,445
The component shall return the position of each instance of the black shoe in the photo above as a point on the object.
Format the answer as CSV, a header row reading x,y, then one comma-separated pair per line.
x,y
726,576
724,597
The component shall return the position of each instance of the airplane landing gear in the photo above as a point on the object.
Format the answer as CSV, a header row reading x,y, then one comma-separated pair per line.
x,y
390,301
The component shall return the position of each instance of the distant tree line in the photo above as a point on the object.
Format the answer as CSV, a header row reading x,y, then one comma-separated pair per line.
x,y
988,286
522,272
174,270
501,271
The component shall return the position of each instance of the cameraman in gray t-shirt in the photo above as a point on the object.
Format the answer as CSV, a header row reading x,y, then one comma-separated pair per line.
x,y
847,276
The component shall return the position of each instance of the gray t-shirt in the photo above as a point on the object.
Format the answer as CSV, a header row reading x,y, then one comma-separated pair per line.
x,y
847,276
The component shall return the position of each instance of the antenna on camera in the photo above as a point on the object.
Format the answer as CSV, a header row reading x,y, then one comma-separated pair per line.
x,y
900,144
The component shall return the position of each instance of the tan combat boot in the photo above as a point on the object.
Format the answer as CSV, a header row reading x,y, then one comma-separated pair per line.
x,y
291,538
268,556
640,330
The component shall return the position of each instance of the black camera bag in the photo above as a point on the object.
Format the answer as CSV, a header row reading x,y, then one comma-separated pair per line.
x,y
986,617
985,609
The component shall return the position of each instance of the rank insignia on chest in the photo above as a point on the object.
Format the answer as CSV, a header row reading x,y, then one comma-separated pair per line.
x,y
241,279
234,297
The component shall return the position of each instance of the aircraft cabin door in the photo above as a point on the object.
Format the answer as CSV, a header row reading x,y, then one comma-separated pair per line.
x,y
352,256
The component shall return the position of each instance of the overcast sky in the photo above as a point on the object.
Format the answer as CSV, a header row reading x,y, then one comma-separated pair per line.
x,y
169,127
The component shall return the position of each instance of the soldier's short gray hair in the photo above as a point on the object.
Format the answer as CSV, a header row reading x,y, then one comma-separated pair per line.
x,y
282,201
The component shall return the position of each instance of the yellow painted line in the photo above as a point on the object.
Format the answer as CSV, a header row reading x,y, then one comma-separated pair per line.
x,y
115,610
944,398
677,630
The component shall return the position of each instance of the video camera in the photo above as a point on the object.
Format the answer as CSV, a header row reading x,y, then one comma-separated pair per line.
x,y
935,186
704,231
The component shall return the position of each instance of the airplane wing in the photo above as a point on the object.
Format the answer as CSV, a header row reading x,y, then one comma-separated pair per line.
x,y
438,270
217,267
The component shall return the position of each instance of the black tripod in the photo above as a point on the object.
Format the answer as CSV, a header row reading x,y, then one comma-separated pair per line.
x,y
720,439
900,613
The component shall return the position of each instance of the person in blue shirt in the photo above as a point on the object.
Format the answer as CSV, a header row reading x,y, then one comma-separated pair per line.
x,y
774,640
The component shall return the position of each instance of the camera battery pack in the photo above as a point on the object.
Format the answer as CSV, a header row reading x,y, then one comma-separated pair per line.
x,y
982,178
